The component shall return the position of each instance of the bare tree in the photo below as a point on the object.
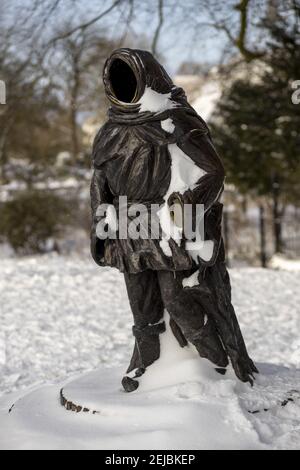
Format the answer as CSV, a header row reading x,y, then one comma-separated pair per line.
x,y
158,29
233,18
81,57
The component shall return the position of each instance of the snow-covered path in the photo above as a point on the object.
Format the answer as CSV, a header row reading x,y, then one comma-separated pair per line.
x,y
61,316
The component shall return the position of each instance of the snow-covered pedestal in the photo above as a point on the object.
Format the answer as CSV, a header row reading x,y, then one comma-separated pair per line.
x,y
181,403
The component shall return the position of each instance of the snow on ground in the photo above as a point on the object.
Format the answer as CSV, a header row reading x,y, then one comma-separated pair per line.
x,y
205,104
281,262
59,316
201,410
62,316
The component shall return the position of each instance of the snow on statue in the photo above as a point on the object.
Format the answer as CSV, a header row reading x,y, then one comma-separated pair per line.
x,y
156,151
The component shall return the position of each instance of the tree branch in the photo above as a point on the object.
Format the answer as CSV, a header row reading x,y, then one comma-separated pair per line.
x,y
240,40
159,26
127,22
88,23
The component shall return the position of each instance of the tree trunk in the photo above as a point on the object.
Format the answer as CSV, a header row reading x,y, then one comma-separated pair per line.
x,y
277,216
74,111
244,205
74,134
3,152
262,231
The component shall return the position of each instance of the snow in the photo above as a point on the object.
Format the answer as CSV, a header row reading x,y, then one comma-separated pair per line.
x,y
281,262
111,218
175,365
191,281
184,175
155,102
164,244
55,313
168,125
205,104
202,249
169,419
62,317
8,191
2,349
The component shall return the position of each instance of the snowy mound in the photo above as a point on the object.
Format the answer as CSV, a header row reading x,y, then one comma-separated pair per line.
x,y
181,403
209,412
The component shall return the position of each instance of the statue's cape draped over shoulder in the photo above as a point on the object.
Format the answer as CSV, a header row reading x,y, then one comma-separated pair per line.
x,y
141,129
190,133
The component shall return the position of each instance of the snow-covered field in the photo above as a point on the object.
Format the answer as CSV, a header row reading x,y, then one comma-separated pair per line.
x,y
61,317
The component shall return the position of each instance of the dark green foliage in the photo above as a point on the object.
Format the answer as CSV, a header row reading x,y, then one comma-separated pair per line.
x,y
243,137
258,133
31,219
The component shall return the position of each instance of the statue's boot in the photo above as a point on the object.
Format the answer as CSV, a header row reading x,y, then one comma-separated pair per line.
x,y
146,351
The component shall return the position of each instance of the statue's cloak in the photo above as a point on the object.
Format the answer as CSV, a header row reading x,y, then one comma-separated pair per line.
x,y
132,157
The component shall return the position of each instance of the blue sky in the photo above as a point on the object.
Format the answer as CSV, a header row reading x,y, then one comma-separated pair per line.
x,y
176,43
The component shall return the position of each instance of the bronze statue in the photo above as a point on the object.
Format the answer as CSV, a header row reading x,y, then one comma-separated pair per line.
x,y
155,150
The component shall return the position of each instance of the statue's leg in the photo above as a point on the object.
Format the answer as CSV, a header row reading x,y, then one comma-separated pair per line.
x,y
187,311
148,310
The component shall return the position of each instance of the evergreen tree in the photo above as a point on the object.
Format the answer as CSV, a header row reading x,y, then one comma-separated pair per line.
x,y
258,133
